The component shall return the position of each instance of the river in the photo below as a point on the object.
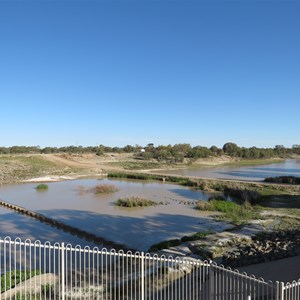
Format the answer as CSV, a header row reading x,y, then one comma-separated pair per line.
x,y
137,228
289,167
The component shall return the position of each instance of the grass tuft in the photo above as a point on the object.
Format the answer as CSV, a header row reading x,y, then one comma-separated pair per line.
x,y
42,187
237,214
134,201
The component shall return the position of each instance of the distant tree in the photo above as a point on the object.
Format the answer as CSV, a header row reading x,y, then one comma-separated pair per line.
x,y
231,149
117,150
280,150
4,150
128,149
215,150
199,152
254,152
181,148
150,148
296,149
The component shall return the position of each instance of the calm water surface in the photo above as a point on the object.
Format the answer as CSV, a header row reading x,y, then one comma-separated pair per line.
x,y
290,167
138,228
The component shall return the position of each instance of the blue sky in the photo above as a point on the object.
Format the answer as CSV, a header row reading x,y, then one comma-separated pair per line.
x,y
139,72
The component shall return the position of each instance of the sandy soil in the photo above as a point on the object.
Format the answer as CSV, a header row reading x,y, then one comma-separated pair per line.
x,y
81,165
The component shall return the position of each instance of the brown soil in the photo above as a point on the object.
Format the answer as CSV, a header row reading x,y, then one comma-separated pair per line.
x,y
17,168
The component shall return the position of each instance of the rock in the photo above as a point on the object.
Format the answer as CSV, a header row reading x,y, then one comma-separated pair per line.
x,y
264,247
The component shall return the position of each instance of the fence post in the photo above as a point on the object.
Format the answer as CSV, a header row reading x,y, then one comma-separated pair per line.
x,y
211,280
63,271
142,275
279,290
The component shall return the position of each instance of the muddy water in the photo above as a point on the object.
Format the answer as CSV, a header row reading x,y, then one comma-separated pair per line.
x,y
137,228
290,167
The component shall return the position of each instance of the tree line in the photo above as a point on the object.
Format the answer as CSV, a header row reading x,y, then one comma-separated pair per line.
x,y
170,153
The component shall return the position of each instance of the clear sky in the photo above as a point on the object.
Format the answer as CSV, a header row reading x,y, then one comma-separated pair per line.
x,y
149,71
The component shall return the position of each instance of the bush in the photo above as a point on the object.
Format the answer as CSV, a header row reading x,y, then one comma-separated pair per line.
x,y
42,187
104,189
283,179
134,201
203,205
11,278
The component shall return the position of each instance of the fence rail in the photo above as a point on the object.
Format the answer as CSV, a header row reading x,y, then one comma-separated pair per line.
x,y
32,270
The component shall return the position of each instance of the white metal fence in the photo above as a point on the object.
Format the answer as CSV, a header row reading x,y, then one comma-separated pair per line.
x,y
32,270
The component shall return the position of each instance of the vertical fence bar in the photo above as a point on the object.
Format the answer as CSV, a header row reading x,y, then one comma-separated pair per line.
x,y
63,271
142,276
279,290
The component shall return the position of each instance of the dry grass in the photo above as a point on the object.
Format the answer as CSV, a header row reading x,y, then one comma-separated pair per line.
x,y
203,205
98,189
104,189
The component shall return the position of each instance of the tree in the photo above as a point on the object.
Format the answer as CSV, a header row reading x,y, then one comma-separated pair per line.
x,y
231,149
215,150
296,149
280,150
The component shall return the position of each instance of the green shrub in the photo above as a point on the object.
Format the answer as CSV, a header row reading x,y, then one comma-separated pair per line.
x,y
42,187
11,278
134,201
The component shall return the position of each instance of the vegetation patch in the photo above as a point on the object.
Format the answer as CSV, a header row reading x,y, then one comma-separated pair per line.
x,y
104,189
42,187
11,278
136,165
174,179
237,214
135,201
176,242
283,179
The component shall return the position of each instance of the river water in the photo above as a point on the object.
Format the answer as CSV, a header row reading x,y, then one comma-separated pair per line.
x,y
137,228
289,167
